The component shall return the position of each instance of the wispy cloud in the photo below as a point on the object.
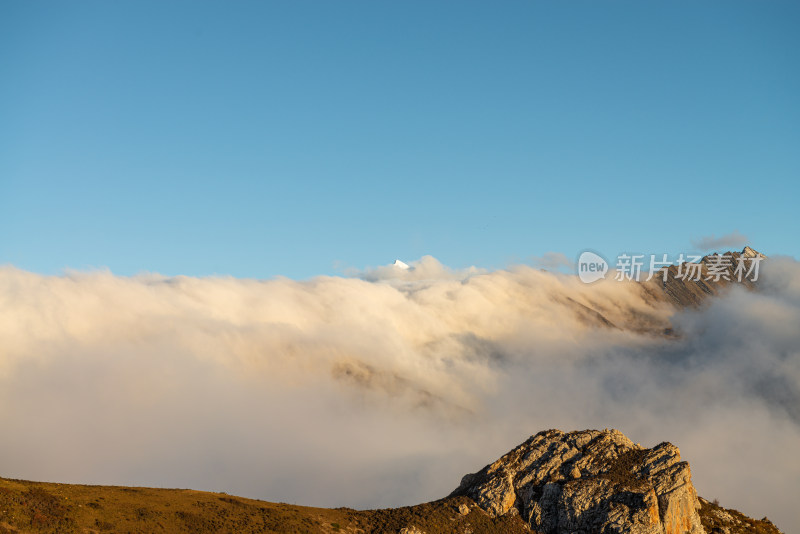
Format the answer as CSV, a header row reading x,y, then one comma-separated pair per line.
x,y
552,261
729,241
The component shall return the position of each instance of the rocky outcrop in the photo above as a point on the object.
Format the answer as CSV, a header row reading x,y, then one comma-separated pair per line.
x,y
591,482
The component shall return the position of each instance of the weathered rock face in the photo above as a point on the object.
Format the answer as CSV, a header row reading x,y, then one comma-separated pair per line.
x,y
590,482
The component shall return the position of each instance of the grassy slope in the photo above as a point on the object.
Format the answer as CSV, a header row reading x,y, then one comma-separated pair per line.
x,y
45,508
70,508
717,519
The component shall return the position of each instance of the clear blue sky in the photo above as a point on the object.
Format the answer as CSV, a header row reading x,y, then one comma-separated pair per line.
x,y
297,138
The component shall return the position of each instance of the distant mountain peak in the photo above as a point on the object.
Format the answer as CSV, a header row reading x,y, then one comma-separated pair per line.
x,y
401,265
750,252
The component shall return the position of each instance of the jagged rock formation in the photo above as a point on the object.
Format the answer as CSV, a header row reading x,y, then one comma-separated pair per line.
x,y
589,481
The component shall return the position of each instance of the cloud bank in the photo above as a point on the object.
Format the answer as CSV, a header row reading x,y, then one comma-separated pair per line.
x,y
383,389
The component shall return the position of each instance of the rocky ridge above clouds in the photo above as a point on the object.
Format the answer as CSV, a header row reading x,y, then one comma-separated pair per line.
x,y
596,481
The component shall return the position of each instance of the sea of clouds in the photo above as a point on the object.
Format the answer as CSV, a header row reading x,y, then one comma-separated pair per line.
x,y
385,387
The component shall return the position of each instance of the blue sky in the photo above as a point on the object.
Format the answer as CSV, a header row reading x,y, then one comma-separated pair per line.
x,y
298,138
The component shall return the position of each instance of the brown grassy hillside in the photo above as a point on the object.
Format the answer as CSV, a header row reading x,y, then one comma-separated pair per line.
x,y
38,507
66,508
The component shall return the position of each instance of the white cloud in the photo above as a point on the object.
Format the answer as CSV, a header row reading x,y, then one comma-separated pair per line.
x,y
733,240
384,389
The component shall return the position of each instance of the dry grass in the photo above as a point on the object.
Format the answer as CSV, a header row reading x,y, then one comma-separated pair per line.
x,y
65,508
714,519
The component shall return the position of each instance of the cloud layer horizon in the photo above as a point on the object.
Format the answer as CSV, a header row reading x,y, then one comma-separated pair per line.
x,y
384,388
